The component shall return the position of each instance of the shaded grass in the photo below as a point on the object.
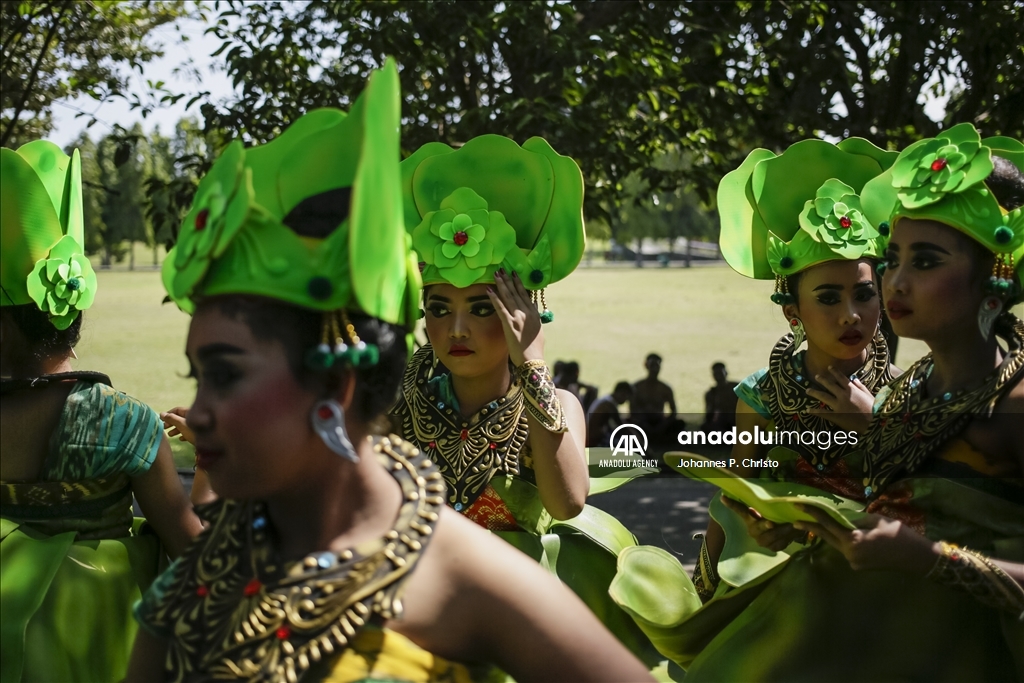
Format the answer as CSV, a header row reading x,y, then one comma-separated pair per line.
x,y
607,319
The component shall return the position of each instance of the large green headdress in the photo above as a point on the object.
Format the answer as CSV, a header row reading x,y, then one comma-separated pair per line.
x,y
783,214
493,204
42,260
943,179
313,218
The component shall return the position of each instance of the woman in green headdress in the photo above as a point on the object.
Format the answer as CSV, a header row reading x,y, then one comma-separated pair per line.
x,y
797,218
493,225
929,583
73,450
330,555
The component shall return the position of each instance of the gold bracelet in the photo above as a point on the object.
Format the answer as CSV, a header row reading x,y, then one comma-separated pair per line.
x,y
970,571
541,401
705,578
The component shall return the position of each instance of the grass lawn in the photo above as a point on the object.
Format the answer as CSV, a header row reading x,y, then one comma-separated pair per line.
x,y
607,319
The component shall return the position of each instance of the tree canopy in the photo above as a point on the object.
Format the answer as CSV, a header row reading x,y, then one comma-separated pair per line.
x,y
59,49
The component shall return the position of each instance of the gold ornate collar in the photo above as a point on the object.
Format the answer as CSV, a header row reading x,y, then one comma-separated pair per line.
x,y
238,613
468,452
785,388
909,426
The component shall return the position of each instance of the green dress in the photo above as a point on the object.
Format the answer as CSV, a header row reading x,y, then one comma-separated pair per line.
x,y
71,564
811,617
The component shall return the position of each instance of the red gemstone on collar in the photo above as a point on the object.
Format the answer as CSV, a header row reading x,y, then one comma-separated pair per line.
x,y
464,435
432,444
494,446
906,418
460,238
202,591
283,633
201,219
939,164
324,413
845,222
253,587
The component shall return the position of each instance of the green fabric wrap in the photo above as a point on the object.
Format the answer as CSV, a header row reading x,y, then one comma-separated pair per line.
x,y
943,179
42,260
581,552
234,239
810,617
493,204
783,214
67,605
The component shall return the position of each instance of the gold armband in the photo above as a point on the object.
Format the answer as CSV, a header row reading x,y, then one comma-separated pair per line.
x,y
974,573
541,401
705,578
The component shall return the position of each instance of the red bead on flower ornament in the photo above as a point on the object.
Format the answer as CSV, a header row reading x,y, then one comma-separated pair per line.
x,y
460,238
939,164
845,222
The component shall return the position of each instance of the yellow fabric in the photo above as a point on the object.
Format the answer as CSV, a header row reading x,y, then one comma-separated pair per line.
x,y
958,450
383,655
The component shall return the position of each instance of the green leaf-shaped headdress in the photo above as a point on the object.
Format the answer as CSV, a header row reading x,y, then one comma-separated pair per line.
x,y
783,214
943,179
313,218
42,260
493,204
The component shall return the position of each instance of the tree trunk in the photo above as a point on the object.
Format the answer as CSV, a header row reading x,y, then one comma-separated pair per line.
x,y
131,255
639,252
155,247
689,251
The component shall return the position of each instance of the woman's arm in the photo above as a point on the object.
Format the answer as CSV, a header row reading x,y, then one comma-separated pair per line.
x,y
560,461
164,503
883,543
473,597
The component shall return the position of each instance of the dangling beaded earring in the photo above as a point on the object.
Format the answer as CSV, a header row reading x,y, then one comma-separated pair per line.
x,y
356,352
781,296
1001,288
546,314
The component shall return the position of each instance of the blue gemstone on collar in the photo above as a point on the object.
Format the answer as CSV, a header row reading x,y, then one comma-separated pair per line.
x,y
324,560
946,396
913,385
799,378
821,467
259,522
458,507
440,404
868,490
492,405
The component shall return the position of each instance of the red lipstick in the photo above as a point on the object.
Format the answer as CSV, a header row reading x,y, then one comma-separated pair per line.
x,y
458,350
852,337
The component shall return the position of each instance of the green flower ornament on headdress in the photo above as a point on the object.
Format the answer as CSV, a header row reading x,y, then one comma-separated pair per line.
x,y
41,222
942,179
782,214
312,218
492,204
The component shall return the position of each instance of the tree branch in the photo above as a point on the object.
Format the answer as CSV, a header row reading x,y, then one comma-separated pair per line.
x,y
7,134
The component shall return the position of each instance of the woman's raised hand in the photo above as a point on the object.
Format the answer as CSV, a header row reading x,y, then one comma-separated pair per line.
x,y
519,317
174,423
845,401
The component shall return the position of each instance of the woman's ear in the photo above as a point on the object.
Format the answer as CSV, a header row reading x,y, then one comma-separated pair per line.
x,y
791,311
346,391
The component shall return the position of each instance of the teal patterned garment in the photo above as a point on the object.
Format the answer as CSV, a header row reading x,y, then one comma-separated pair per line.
x,y
749,392
102,432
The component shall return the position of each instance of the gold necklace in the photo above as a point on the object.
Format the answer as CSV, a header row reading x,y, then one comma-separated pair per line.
x,y
237,612
789,404
468,452
908,427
